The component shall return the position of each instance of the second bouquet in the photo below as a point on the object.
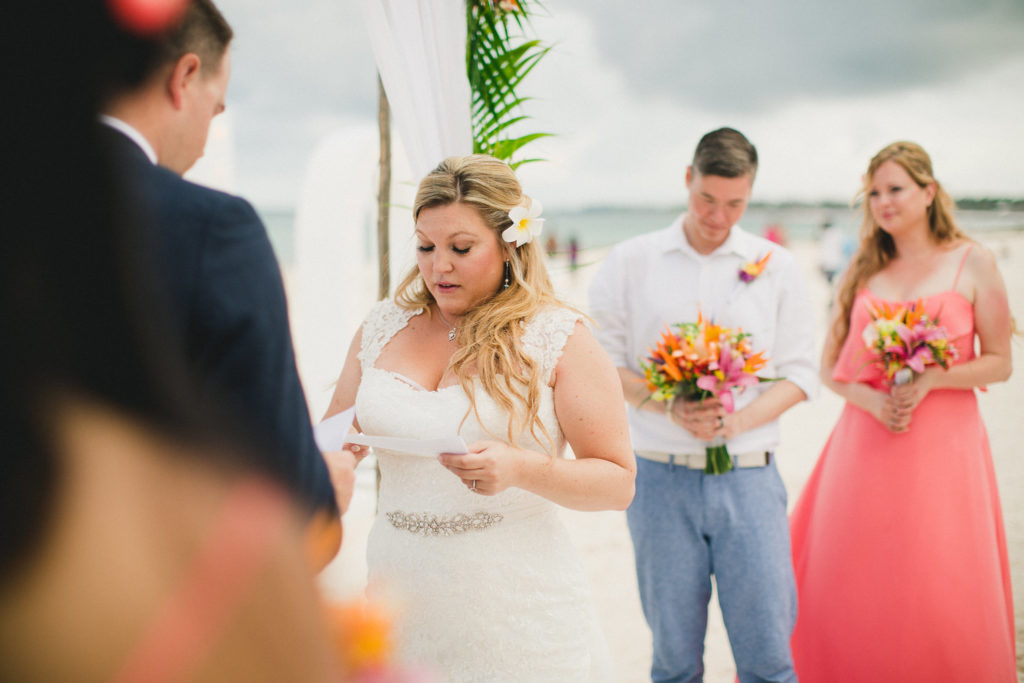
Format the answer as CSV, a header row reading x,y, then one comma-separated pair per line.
x,y
699,360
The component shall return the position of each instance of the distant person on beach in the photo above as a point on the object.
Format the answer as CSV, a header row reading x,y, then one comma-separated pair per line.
x,y
551,244
137,543
775,232
214,259
574,252
832,251
898,540
475,343
687,525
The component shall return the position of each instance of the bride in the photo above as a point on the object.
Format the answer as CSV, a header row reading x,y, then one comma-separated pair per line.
x,y
475,343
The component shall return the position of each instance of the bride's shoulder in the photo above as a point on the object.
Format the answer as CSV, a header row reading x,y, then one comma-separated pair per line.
x,y
550,327
386,312
384,320
554,316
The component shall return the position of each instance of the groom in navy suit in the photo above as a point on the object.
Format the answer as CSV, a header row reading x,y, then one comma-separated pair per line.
x,y
221,279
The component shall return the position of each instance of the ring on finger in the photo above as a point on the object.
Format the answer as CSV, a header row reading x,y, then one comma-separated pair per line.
x,y
721,422
473,486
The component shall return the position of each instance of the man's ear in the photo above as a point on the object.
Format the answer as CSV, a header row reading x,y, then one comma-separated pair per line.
x,y
689,175
183,73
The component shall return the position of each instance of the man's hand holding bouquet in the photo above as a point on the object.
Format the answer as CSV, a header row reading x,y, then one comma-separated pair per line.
x,y
703,363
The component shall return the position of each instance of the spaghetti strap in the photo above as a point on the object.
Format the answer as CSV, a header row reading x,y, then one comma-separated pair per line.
x,y
961,268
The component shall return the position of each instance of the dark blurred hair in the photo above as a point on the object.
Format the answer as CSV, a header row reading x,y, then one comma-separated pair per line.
x,y
76,309
203,30
725,152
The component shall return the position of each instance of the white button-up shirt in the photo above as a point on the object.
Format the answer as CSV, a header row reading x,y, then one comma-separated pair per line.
x,y
658,279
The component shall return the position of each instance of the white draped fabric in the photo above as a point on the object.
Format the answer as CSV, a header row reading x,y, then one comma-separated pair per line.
x,y
335,274
420,48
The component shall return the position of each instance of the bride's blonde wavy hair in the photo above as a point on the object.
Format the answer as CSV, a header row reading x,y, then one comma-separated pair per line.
x,y
490,349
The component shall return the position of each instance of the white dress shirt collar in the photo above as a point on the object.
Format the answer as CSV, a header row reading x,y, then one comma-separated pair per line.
x,y
132,133
736,243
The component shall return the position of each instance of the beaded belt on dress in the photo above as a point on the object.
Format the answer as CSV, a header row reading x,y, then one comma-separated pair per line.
x,y
453,523
429,524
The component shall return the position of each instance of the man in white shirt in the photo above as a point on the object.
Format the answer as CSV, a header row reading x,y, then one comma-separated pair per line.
x,y
687,525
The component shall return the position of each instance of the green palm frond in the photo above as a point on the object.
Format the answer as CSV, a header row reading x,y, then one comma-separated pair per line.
x,y
496,66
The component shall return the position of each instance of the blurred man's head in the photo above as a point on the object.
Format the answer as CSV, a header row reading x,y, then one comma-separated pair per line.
x,y
184,88
719,182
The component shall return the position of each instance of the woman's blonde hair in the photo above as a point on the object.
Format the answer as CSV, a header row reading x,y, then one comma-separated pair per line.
x,y
489,338
877,248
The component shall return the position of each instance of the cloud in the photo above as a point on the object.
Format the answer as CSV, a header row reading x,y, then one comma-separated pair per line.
x,y
629,88
308,56
615,145
301,69
737,57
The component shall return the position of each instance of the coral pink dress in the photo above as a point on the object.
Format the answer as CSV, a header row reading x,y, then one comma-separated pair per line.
x,y
898,542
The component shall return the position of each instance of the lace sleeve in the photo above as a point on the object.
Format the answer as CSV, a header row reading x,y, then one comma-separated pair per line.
x,y
386,318
545,337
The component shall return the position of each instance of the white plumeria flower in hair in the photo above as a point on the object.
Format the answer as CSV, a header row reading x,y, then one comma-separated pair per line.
x,y
526,222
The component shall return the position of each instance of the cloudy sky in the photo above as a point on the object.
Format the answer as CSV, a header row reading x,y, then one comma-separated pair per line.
x,y
629,88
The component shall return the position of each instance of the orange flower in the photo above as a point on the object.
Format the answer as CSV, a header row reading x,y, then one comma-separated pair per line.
x,y
755,362
915,313
672,370
362,636
882,310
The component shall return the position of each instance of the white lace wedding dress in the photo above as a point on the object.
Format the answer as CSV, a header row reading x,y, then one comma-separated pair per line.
x,y
488,588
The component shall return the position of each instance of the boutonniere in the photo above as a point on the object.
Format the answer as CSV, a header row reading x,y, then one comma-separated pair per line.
x,y
750,271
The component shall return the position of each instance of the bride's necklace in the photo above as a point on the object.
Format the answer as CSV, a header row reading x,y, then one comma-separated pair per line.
x,y
452,328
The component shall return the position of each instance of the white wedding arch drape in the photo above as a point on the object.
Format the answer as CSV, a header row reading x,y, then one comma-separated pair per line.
x,y
419,48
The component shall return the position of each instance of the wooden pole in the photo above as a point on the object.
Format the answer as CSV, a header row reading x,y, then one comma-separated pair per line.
x,y
383,205
383,194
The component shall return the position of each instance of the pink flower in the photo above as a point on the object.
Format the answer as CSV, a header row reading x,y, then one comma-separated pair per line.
x,y
728,373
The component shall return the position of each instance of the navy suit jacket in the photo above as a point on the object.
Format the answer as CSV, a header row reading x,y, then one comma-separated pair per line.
x,y
222,282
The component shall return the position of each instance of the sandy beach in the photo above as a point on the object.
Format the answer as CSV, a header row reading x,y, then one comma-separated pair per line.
x,y
603,538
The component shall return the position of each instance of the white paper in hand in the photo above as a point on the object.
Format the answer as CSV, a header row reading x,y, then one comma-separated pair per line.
x,y
330,434
427,447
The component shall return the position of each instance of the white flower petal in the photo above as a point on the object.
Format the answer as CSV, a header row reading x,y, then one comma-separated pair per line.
x,y
525,222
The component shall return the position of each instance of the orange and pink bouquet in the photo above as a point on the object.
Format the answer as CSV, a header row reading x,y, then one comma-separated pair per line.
x,y
700,361
904,340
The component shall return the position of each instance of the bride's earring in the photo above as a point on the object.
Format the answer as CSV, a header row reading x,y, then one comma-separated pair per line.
x,y
508,275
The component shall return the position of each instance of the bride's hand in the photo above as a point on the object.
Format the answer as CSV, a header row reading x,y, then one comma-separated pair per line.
x,y
488,468
358,452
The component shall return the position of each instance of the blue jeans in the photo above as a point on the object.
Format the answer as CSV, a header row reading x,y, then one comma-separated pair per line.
x,y
686,526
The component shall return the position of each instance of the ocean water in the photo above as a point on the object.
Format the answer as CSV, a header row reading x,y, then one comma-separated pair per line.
x,y
598,228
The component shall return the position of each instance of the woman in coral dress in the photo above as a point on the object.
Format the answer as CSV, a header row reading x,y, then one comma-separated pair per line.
x,y
898,541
